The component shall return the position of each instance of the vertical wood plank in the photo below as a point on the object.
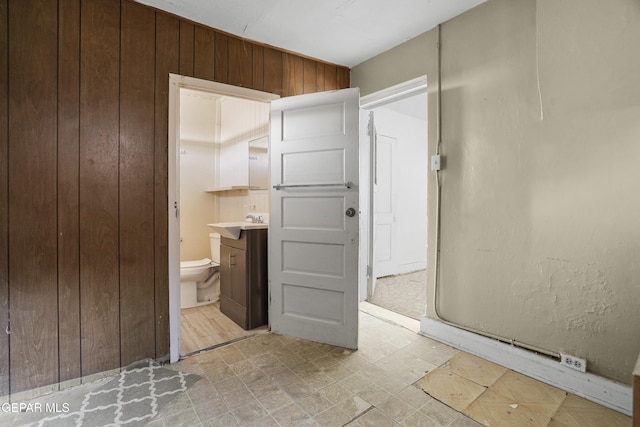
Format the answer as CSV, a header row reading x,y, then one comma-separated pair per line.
x,y
68,188
273,75
330,77
292,70
167,61
4,202
240,62
309,75
99,126
221,61
137,85
320,78
187,35
258,67
343,77
203,56
33,286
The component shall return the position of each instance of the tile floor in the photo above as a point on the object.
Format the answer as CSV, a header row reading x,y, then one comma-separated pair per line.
x,y
270,380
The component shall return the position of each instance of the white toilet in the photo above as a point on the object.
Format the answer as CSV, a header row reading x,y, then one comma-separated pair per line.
x,y
200,280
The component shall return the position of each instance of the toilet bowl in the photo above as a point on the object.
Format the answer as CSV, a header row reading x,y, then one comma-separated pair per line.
x,y
200,279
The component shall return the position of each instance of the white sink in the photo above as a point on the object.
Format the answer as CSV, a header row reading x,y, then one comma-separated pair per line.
x,y
232,230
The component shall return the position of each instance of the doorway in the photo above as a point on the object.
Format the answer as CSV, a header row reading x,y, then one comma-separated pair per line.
x,y
398,229
202,325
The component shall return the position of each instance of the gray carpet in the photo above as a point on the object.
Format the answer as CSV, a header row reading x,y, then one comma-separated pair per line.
x,y
132,398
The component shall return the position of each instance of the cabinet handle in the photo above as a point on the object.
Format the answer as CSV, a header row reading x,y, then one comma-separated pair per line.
x,y
230,263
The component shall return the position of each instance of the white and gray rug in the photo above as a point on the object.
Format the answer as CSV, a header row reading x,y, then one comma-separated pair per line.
x,y
132,398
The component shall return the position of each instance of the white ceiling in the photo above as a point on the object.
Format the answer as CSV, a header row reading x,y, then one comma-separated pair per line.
x,y
345,32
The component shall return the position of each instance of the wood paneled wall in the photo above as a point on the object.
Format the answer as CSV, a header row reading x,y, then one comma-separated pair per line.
x,y
83,174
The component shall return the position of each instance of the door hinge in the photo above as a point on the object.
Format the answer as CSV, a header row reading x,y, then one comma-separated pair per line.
x,y
369,271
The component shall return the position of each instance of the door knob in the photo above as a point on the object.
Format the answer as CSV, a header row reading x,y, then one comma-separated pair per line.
x,y
350,212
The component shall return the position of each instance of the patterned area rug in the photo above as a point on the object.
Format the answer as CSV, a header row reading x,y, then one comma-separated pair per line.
x,y
132,398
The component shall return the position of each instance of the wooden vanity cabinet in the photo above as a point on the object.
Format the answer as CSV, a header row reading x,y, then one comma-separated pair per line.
x,y
243,278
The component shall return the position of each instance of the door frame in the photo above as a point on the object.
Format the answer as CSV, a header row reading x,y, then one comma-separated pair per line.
x,y
368,103
176,82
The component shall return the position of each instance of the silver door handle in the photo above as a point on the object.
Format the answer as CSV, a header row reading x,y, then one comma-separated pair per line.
x,y
347,184
230,263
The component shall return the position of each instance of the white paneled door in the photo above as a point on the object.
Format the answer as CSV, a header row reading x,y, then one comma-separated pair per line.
x,y
384,213
313,231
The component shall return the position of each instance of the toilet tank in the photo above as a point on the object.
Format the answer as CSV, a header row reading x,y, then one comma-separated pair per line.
x,y
214,238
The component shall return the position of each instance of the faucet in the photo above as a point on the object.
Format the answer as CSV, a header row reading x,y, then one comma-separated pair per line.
x,y
253,218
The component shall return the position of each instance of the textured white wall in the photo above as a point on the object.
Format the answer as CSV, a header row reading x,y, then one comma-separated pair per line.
x,y
540,214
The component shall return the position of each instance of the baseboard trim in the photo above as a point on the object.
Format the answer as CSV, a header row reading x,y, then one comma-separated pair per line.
x,y
597,389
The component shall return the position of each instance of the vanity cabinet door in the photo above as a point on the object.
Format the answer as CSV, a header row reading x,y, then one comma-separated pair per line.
x,y
233,284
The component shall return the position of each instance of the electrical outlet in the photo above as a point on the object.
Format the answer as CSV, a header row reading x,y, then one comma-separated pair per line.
x,y
573,362
435,162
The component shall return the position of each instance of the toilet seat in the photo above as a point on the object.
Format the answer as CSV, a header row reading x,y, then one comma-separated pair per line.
x,y
198,263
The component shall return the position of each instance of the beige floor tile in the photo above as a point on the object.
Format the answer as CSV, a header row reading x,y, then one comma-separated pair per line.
x,y
374,395
267,421
476,369
315,404
224,420
290,415
249,412
578,412
432,351
464,421
275,400
211,408
353,406
375,418
238,397
493,409
395,409
440,412
332,417
414,397
419,419
537,396
451,389
336,393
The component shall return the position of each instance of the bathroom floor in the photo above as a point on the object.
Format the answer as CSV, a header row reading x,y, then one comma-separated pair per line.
x,y
205,326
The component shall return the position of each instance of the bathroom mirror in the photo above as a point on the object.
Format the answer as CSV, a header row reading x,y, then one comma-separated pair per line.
x,y
259,163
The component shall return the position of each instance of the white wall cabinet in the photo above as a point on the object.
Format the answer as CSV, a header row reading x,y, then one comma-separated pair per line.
x,y
234,165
